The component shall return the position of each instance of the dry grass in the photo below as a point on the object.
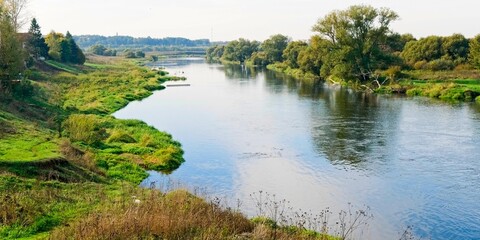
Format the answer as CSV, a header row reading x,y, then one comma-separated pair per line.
x,y
149,214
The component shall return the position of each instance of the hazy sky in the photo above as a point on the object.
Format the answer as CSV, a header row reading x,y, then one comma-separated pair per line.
x,y
232,19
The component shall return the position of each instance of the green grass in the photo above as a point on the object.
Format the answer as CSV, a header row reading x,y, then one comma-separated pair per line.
x,y
107,89
63,67
124,148
25,141
34,207
450,90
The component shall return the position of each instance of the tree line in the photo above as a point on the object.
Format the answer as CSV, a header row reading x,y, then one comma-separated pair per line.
x,y
20,51
87,41
354,44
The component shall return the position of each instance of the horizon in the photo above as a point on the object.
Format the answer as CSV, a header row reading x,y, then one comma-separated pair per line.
x,y
219,20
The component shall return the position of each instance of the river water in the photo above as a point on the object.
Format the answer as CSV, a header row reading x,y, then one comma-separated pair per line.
x,y
413,162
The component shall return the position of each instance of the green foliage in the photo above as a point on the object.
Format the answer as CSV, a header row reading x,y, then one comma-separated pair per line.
x,y
258,59
139,54
215,53
459,90
86,41
355,38
239,50
130,54
11,53
107,89
439,65
474,55
102,50
64,49
21,140
273,48
291,53
63,67
454,49
311,58
36,43
84,128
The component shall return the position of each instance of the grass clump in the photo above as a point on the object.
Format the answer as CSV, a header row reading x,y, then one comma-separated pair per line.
x,y
124,148
457,90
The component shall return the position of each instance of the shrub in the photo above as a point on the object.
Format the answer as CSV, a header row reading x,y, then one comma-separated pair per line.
x,y
118,135
23,89
440,64
393,72
420,65
84,128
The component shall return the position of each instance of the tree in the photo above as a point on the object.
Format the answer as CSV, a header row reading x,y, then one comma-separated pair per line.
x,y
356,37
54,41
290,54
139,54
11,53
456,48
445,51
240,50
273,48
98,49
76,55
215,53
64,49
474,55
102,50
311,59
14,9
36,43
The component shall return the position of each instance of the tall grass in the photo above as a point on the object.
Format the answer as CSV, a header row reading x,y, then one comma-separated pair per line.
x,y
150,214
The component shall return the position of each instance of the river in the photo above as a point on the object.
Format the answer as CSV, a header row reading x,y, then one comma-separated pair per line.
x,y
413,161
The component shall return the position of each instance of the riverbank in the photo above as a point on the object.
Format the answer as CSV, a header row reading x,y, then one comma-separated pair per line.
x,y
454,85
70,170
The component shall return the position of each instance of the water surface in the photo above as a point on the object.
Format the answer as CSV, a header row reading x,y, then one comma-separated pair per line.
x,y
414,162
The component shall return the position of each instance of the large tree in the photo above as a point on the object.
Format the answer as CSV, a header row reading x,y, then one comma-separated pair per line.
x,y
474,55
290,54
240,50
63,48
36,43
11,53
15,10
273,48
357,37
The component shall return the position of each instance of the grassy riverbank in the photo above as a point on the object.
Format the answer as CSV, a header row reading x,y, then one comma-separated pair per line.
x,y
454,85
68,170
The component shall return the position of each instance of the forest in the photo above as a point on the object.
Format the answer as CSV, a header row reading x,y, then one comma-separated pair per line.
x,y
357,45
86,41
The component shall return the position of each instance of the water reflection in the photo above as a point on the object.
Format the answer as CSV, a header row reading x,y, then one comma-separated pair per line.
x,y
235,71
414,162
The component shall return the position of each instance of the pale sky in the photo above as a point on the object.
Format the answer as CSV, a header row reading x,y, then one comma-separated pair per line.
x,y
223,20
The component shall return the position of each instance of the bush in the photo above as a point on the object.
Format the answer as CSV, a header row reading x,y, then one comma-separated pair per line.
x,y
420,65
130,54
440,64
84,128
23,89
118,135
393,72
462,67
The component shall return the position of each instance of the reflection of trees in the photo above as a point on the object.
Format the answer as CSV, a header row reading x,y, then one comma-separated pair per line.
x,y
353,129
236,71
347,127
283,82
